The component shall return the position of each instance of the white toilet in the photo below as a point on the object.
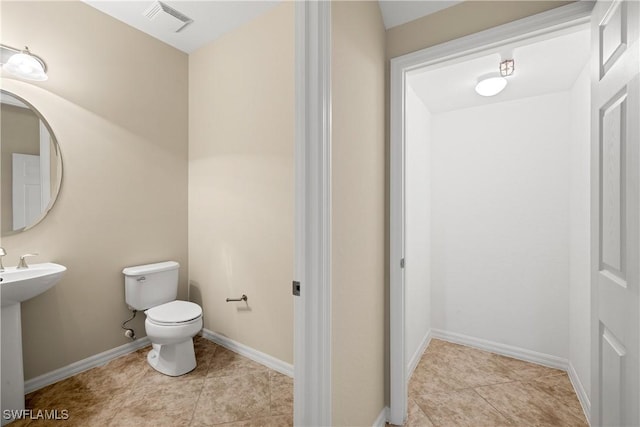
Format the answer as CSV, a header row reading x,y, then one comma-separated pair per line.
x,y
171,324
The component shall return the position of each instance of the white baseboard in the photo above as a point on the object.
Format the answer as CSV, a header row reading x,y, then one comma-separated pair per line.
x,y
106,356
251,353
503,349
381,421
580,392
83,365
418,354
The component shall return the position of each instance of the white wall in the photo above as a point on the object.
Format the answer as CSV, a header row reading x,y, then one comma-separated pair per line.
x,y
579,231
418,227
500,215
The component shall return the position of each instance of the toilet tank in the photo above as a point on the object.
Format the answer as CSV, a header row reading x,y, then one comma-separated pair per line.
x,y
149,285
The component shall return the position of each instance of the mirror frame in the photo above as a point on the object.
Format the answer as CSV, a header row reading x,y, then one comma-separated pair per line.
x,y
58,179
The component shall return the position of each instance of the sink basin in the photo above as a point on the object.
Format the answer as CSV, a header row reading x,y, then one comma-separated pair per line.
x,y
19,285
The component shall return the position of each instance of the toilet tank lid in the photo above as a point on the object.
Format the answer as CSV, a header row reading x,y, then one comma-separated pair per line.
x,y
151,268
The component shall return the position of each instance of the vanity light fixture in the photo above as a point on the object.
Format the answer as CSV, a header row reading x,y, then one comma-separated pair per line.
x,y
23,64
493,83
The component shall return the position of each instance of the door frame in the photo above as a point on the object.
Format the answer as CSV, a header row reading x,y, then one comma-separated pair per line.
x,y
312,263
554,20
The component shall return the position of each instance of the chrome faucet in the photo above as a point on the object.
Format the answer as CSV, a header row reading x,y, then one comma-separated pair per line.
x,y
23,261
2,253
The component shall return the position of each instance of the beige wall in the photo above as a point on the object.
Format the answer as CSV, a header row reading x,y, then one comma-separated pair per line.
x,y
19,133
358,211
116,100
241,188
460,20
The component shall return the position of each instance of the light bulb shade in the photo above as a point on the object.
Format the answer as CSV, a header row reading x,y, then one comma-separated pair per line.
x,y
26,66
491,85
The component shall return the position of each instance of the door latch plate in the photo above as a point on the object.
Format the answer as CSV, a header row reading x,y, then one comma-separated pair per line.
x,y
296,288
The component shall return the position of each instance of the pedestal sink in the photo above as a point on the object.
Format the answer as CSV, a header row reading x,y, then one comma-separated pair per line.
x,y
17,285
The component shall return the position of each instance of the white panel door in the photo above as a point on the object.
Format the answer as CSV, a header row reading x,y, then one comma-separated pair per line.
x,y
616,220
26,195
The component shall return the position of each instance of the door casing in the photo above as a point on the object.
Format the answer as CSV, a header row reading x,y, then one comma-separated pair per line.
x,y
468,47
312,268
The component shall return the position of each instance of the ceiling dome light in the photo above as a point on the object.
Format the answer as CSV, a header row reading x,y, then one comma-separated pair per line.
x,y
27,66
491,84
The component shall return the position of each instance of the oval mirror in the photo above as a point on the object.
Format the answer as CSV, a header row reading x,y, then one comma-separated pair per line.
x,y
31,165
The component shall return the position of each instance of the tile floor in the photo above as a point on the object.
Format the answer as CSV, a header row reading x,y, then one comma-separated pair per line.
x,y
454,385
225,389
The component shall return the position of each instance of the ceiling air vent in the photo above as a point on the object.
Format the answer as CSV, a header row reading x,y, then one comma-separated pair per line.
x,y
167,17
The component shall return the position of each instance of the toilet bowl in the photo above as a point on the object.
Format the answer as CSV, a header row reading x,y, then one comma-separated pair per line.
x,y
171,328
170,324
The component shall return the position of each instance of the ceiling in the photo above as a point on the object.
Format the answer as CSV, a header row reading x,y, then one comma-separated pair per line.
x,y
398,12
541,67
213,18
545,66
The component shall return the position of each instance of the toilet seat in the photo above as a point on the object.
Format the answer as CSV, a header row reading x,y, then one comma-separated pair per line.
x,y
174,313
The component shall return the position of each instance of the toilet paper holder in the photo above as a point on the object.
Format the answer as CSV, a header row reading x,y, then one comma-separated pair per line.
x,y
242,298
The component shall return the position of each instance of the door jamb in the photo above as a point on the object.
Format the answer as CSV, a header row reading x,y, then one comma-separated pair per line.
x,y
474,44
312,264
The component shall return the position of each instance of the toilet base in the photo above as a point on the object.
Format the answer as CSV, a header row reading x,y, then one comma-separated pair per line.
x,y
173,359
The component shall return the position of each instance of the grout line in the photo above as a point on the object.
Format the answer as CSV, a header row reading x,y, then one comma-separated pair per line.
x,y
562,401
195,407
421,410
505,416
204,379
270,394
